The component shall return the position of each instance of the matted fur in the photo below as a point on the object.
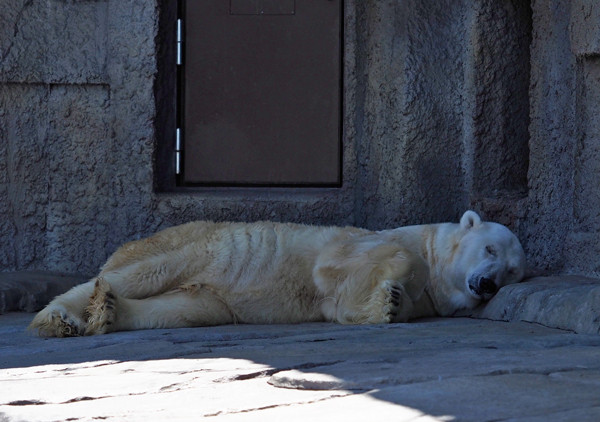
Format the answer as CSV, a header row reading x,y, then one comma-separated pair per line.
x,y
206,273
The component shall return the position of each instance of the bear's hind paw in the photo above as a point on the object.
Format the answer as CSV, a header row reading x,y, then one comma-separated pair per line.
x,y
101,312
56,322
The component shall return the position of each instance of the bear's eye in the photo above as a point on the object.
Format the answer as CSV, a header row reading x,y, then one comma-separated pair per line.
x,y
490,250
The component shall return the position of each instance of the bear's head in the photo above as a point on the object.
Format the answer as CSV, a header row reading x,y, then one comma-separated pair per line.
x,y
485,257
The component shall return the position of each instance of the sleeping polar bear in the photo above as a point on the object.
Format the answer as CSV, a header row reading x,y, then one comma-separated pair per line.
x,y
205,273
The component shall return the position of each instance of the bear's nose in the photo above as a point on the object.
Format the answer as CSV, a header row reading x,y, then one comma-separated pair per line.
x,y
487,285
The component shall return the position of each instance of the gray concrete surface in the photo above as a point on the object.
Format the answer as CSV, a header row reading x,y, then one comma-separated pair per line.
x,y
429,370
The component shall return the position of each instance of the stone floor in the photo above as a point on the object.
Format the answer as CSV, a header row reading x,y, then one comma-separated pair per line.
x,y
472,369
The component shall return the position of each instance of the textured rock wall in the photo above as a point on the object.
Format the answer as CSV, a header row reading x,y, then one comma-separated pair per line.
x,y
435,121
442,110
410,114
564,194
76,86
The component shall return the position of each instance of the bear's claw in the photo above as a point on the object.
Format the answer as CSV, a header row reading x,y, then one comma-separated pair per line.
x,y
397,305
395,294
393,302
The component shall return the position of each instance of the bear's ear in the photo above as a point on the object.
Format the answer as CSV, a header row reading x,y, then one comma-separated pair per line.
x,y
469,220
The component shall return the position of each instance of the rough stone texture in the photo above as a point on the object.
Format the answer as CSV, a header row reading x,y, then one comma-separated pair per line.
x,y
434,75
566,302
53,41
76,83
564,219
582,249
78,136
584,28
23,175
431,370
30,291
552,134
410,110
434,122
496,155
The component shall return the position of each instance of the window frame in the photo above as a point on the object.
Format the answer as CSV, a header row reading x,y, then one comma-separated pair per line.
x,y
169,99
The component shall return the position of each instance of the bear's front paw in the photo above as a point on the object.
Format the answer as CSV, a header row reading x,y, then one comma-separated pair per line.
x,y
101,312
388,303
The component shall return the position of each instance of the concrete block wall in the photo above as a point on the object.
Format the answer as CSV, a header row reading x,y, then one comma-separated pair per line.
x,y
437,104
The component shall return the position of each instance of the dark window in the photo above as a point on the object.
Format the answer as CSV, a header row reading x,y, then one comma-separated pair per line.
x,y
260,93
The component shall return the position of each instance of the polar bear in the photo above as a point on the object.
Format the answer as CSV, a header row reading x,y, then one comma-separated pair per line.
x,y
206,273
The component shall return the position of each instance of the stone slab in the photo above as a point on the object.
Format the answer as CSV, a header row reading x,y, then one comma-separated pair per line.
x,y
427,370
567,302
30,291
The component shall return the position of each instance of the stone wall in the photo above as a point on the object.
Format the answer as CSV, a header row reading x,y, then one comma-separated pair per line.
x,y
436,120
76,103
564,193
441,116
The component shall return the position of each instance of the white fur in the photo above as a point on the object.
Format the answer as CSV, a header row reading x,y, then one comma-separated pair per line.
x,y
206,273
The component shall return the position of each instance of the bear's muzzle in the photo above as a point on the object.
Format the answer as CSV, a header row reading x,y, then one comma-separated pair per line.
x,y
483,286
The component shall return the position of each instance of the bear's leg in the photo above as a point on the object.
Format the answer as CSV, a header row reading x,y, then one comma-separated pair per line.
x,y
64,316
191,307
388,290
386,302
150,276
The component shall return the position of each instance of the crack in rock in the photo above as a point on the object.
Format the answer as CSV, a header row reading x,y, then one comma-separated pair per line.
x,y
173,387
525,371
298,380
273,406
557,415
83,398
273,371
318,340
25,403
